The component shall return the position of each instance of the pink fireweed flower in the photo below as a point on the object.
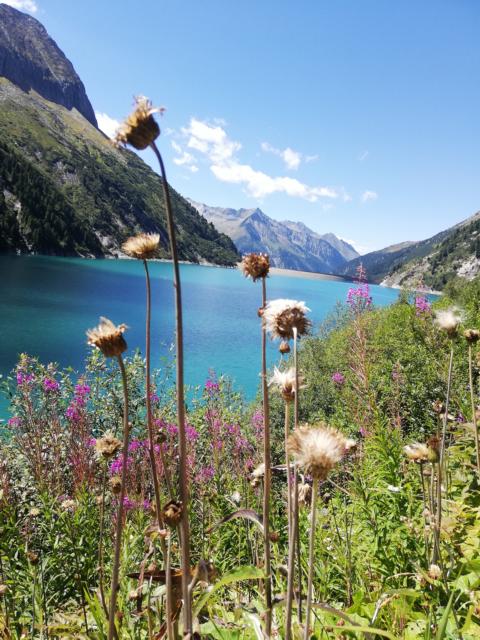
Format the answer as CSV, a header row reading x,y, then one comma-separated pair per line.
x,y
422,305
338,378
205,475
82,390
73,413
191,433
128,504
50,385
24,378
14,422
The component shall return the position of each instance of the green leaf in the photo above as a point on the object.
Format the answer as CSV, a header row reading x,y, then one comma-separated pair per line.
x,y
442,627
370,630
242,573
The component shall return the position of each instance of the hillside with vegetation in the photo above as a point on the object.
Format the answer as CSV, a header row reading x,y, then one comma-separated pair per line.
x,y
432,263
64,188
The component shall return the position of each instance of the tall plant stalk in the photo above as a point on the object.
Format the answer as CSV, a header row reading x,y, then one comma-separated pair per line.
x,y
267,475
180,399
291,534
119,524
472,401
440,470
311,558
295,477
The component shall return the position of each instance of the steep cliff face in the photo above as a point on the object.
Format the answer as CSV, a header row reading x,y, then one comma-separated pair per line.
x,y
32,60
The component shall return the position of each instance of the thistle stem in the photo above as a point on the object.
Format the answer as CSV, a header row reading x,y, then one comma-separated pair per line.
x,y
267,475
472,400
311,557
119,524
101,569
291,532
295,477
438,522
183,471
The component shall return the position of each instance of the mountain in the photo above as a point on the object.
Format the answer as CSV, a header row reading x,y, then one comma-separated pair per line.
x,y
291,245
64,188
31,60
432,262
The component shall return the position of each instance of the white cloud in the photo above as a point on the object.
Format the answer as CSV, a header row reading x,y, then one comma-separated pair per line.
x,y
369,195
107,124
213,142
311,158
184,158
291,158
23,5
364,155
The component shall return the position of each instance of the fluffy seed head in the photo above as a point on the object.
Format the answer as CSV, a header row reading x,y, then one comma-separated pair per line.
x,y
108,338
417,452
107,446
172,513
448,320
140,129
281,317
317,449
142,246
255,265
434,572
285,383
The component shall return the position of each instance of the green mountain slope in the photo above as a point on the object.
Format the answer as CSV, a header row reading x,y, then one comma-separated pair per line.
x,y
64,188
432,262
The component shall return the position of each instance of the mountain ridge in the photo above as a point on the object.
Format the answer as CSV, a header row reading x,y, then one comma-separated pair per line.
x,y
290,245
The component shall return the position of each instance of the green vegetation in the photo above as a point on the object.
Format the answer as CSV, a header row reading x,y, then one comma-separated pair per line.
x,y
375,375
65,190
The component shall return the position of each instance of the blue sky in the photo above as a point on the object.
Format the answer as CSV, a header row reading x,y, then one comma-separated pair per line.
x,y
359,117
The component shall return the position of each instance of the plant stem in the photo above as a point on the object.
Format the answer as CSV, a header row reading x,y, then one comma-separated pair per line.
x,y
438,523
311,557
474,413
267,476
119,524
295,477
183,471
101,568
291,532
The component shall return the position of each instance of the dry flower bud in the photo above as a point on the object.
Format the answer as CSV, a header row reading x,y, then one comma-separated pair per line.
x,y
107,446
471,335
283,317
438,407
434,572
304,494
255,266
115,483
108,338
140,129
274,536
172,513
32,557
284,347
3,589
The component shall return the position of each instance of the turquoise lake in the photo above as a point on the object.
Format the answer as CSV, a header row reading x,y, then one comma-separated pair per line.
x,y
48,303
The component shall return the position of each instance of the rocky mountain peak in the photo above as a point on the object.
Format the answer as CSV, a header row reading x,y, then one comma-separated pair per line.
x,y
32,60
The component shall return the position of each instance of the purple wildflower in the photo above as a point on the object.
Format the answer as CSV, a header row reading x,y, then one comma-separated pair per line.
x,y
338,378
50,385
422,305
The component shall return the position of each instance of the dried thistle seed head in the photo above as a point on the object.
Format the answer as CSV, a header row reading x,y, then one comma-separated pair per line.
x,y
274,536
142,246
434,572
108,338
115,483
172,513
282,317
284,347
32,557
471,335
438,407
417,452
448,320
3,590
255,265
140,129
304,494
284,381
69,505
107,446
317,449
